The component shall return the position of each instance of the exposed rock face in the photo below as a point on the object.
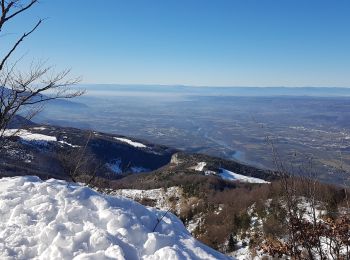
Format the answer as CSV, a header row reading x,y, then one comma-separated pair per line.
x,y
174,159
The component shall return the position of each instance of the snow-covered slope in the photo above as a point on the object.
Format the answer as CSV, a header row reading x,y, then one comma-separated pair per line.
x,y
132,143
36,138
44,147
231,176
28,136
58,220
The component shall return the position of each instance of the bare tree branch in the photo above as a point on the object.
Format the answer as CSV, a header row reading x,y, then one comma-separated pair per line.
x,y
17,43
24,92
20,10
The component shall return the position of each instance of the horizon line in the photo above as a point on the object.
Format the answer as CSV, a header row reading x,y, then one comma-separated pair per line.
x,y
207,86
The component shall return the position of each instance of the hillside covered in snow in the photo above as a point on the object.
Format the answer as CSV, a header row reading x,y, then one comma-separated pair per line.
x,y
55,219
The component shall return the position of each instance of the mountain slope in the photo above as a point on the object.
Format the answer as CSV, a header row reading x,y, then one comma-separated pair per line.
x,y
38,150
189,185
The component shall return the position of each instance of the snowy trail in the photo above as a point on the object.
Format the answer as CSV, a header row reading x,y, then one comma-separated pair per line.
x,y
58,220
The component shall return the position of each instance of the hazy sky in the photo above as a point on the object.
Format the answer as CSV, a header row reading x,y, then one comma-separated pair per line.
x,y
193,42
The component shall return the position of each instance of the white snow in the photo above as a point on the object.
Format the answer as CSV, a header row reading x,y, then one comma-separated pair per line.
x,y
193,224
38,128
159,196
69,144
58,220
115,166
138,169
209,172
163,199
200,166
231,176
28,136
132,143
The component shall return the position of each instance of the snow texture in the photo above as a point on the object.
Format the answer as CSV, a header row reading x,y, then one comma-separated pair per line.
x,y
58,220
132,143
231,176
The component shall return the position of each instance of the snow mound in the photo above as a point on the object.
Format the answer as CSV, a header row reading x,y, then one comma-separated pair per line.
x,y
58,220
231,176
132,143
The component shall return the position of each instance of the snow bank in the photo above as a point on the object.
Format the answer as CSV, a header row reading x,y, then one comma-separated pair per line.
x,y
29,137
231,176
58,220
132,143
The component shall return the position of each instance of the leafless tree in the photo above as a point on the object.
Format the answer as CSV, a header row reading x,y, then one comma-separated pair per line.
x,y
79,164
25,92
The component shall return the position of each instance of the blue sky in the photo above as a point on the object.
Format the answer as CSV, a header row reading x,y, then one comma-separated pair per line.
x,y
194,42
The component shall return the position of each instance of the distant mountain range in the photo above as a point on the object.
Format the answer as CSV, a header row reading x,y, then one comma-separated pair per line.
x,y
210,90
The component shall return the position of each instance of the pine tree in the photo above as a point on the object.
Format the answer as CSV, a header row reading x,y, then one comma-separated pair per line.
x,y
231,243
